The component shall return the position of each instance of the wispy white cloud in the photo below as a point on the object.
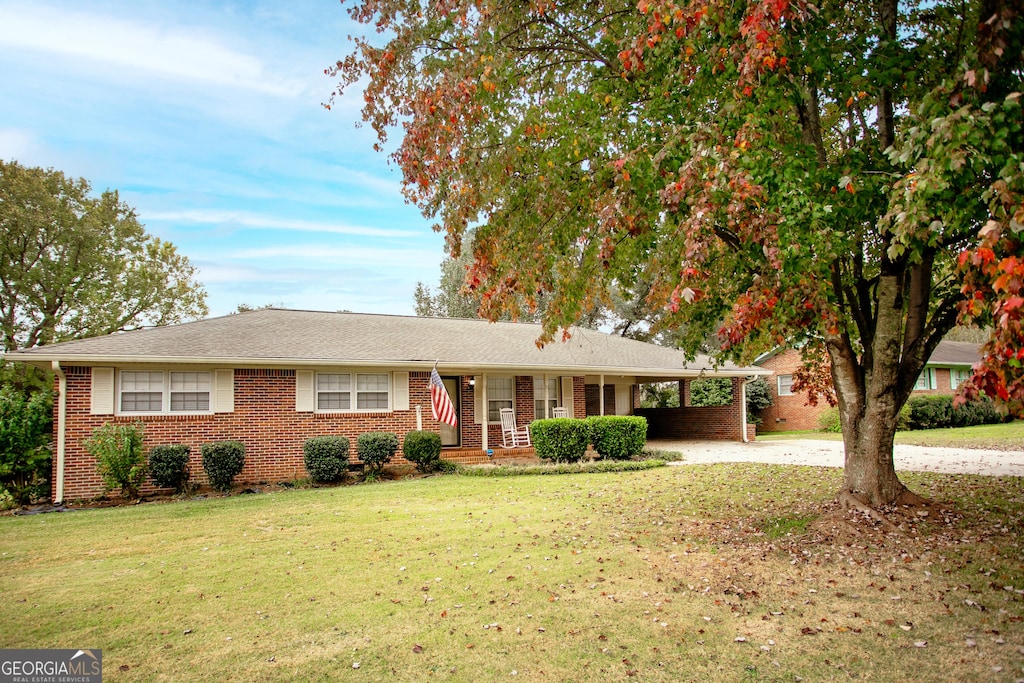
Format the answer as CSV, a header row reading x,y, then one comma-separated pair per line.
x,y
254,221
16,143
354,255
192,54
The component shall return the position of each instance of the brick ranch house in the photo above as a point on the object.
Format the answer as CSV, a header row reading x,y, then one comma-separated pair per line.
x,y
948,367
273,378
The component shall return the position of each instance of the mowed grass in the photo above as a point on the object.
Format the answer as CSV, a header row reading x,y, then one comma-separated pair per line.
x,y
1000,437
686,573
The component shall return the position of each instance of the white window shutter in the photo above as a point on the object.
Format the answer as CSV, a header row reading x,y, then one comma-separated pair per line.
x,y
478,401
101,395
224,391
304,391
567,395
400,399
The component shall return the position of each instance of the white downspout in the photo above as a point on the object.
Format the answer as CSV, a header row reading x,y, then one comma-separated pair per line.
x,y
743,407
62,414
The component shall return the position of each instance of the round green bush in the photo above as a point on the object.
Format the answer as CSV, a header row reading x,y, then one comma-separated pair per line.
x,y
223,460
829,421
618,437
326,458
561,439
375,449
423,449
168,466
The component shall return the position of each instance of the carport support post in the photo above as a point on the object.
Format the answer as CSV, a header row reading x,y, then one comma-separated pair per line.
x,y
743,407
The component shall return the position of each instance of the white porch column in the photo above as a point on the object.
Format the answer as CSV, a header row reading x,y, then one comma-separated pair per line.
x,y
483,400
601,385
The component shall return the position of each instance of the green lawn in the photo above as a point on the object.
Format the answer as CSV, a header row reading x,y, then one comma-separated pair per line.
x,y
697,573
1009,436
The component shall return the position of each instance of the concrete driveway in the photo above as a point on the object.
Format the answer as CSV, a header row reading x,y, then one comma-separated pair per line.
x,y
830,454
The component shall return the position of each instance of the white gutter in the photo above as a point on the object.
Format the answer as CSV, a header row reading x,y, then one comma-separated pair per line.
x,y
62,413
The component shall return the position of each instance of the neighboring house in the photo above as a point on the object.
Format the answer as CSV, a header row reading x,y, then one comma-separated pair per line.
x,y
948,367
273,378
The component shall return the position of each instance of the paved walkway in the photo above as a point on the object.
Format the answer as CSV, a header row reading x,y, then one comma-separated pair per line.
x,y
830,454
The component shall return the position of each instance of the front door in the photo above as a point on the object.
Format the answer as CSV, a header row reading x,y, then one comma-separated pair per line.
x,y
450,436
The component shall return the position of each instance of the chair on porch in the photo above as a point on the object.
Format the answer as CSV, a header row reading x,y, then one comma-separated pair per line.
x,y
513,436
560,412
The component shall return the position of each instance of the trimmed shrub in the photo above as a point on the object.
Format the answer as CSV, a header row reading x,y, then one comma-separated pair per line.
x,y
936,412
423,449
26,425
326,458
120,460
560,439
618,437
375,449
168,466
223,460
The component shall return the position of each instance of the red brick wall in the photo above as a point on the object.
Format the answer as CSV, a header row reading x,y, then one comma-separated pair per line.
x,y
788,413
266,421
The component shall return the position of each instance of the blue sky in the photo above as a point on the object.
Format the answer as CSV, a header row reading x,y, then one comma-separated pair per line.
x,y
206,116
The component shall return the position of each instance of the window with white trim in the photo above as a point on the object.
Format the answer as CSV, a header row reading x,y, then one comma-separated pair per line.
x,y
926,380
501,393
164,392
343,391
785,385
958,376
333,391
372,391
553,400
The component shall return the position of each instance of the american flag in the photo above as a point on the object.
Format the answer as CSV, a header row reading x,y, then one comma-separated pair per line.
x,y
440,403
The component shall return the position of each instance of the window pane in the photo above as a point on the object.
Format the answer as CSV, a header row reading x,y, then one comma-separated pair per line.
x,y
500,388
494,409
142,381
190,381
328,400
785,385
372,382
370,400
500,394
190,400
141,402
333,382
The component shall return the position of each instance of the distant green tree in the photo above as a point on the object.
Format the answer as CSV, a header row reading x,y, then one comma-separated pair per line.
x,y
75,265
712,391
659,395
25,428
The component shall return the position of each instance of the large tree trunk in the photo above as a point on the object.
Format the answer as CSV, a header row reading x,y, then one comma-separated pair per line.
x,y
870,395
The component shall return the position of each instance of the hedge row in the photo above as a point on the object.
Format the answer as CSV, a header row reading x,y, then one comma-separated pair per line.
x,y
935,412
565,439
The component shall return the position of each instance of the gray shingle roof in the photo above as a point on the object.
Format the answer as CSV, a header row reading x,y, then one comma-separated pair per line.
x,y
955,353
287,337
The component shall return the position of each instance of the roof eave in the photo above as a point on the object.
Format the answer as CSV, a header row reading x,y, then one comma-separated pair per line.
x,y
44,360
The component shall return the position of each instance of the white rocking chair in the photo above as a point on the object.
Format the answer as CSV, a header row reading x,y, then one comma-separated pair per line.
x,y
560,412
511,435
